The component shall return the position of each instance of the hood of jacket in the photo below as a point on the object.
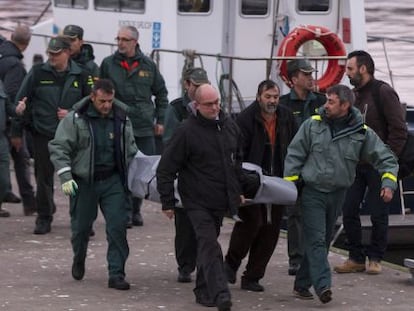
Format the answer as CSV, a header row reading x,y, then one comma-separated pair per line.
x,y
86,54
8,48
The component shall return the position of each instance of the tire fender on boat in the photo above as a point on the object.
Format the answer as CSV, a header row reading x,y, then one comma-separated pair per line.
x,y
330,41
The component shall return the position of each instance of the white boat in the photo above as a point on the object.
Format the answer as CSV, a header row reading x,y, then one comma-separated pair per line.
x,y
235,40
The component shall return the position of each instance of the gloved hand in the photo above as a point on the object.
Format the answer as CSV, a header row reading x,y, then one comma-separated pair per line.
x,y
70,187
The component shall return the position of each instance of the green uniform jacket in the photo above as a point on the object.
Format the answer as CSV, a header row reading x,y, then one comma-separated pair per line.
x,y
46,92
302,109
328,162
72,149
136,88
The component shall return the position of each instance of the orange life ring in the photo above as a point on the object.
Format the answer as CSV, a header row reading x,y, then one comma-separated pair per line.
x,y
330,41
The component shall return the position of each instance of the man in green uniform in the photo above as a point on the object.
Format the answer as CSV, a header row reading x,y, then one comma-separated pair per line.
x,y
91,152
49,91
137,79
323,155
81,52
303,101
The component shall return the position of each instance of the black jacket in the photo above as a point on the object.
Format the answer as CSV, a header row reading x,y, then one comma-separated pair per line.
x,y
12,71
256,144
206,155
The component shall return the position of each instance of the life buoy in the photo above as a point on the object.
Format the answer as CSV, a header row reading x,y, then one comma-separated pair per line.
x,y
330,41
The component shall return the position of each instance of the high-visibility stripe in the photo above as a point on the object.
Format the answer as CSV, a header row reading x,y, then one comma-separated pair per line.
x,y
389,176
291,178
317,117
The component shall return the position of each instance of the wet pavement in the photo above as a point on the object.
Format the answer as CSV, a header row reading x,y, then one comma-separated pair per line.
x,y
35,272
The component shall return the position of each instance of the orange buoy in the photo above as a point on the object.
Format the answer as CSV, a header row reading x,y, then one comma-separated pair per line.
x,y
330,41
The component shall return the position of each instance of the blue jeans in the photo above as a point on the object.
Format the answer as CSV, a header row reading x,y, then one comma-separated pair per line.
x,y
366,176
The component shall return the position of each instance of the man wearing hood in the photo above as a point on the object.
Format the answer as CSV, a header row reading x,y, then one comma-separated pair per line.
x,y
80,52
137,79
323,157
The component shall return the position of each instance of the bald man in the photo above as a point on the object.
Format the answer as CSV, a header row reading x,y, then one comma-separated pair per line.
x,y
205,152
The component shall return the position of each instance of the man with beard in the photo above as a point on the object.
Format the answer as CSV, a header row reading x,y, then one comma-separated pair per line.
x,y
304,102
390,126
137,79
267,129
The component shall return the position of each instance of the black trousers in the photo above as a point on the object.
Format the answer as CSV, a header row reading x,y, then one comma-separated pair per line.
x,y
254,235
44,171
185,241
211,281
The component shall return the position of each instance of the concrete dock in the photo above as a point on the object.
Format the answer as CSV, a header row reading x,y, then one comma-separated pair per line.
x,y
36,272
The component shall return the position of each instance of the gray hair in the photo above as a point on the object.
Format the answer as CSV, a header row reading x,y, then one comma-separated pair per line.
x,y
133,30
344,93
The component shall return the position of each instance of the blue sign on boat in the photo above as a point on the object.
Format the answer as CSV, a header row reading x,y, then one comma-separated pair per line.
x,y
156,35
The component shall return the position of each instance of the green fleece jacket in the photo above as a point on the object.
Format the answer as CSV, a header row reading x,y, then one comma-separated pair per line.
x,y
135,87
326,160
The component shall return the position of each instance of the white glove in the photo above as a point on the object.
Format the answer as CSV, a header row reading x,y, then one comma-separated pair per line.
x,y
70,187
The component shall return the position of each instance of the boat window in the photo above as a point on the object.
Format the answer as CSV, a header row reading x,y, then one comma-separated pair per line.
x,y
193,6
77,4
313,5
121,5
254,7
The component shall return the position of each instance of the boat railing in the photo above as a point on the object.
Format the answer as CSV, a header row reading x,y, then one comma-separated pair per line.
x,y
231,92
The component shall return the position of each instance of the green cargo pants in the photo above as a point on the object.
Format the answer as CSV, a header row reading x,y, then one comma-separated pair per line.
x,y
110,195
319,213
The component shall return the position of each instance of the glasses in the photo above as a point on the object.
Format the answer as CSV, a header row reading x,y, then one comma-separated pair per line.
x,y
117,39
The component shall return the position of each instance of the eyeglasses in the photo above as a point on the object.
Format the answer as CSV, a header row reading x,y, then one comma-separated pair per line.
x,y
117,39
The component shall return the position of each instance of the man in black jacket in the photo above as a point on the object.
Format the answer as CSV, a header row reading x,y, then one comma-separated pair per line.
x,y
204,153
267,131
12,73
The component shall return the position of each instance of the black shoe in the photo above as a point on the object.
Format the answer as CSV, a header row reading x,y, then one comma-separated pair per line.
x,y
137,219
184,277
230,273
253,286
224,303
293,268
4,213
325,295
302,293
29,210
78,270
42,227
204,301
118,282
11,198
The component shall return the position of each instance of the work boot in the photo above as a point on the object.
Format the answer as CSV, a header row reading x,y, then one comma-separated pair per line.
x,y
29,205
374,267
78,269
325,295
230,273
4,213
350,266
302,293
251,285
11,198
118,282
136,217
293,268
184,277
43,226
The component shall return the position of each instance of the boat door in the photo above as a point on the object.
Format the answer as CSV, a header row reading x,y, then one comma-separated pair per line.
x,y
248,33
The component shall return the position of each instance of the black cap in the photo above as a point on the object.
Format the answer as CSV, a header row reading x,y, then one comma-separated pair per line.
x,y
73,32
299,64
57,44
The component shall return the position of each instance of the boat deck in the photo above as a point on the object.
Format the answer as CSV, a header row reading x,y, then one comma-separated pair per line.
x,y
36,272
